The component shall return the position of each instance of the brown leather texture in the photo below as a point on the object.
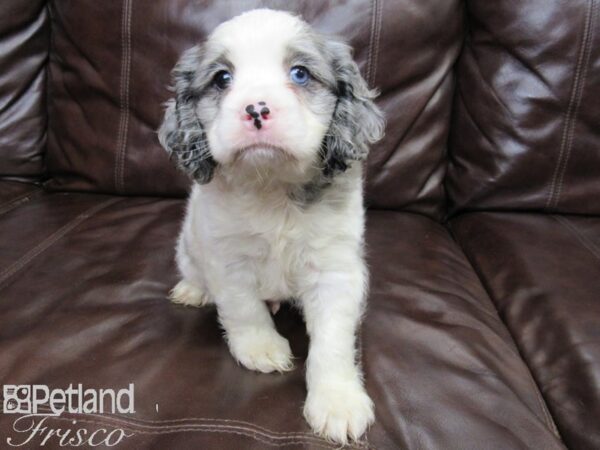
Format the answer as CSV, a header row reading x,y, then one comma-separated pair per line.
x,y
24,32
110,65
13,193
440,365
481,332
543,273
525,133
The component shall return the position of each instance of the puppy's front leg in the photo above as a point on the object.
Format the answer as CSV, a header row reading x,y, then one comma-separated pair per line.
x,y
337,405
250,332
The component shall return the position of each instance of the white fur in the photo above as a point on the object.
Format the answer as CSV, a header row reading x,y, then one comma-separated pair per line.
x,y
261,76
245,242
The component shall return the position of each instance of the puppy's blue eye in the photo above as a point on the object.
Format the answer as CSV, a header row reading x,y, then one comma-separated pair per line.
x,y
223,79
299,75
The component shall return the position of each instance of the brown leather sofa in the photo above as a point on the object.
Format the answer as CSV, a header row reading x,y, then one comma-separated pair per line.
x,y
483,326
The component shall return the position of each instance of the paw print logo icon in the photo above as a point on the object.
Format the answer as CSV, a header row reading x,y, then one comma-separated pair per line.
x,y
17,399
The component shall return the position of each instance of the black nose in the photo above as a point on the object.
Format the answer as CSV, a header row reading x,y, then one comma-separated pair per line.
x,y
250,110
258,116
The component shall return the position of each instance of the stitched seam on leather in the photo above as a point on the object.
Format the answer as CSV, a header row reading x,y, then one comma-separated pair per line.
x,y
539,397
16,201
572,110
216,423
372,55
377,42
223,422
371,37
583,239
121,84
124,94
208,429
48,84
256,431
199,420
22,262
588,52
132,425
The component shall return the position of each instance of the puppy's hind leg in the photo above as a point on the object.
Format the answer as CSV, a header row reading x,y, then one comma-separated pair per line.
x,y
185,293
191,290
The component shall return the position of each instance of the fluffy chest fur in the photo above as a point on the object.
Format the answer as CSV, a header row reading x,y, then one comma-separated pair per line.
x,y
269,242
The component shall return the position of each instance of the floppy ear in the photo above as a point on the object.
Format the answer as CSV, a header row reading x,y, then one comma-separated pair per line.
x,y
357,121
182,134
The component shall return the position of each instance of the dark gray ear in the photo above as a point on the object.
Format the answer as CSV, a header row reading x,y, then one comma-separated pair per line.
x,y
357,121
182,134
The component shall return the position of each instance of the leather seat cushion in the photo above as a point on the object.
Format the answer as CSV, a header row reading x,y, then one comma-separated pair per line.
x,y
85,302
543,273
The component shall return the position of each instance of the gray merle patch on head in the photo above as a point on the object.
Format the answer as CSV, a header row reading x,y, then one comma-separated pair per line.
x,y
182,133
356,121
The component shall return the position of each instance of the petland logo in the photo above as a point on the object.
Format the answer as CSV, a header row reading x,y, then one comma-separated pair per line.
x,y
37,405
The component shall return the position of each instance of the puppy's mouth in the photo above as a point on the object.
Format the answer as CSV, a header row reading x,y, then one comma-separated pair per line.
x,y
262,151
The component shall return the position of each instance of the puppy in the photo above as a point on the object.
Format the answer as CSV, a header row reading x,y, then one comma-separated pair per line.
x,y
272,121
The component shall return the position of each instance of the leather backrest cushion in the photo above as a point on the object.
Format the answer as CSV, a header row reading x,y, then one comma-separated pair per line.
x,y
526,123
110,65
24,31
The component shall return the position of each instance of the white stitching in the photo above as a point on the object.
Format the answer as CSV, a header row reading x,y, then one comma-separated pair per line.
x,y
371,40
588,52
121,84
265,437
209,419
571,113
124,94
373,52
200,419
151,428
51,240
231,424
19,200
235,424
377,41
583,239
208,428
127,96
16,199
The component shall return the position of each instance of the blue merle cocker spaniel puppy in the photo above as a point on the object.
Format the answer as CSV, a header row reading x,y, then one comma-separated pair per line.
x,y
272,121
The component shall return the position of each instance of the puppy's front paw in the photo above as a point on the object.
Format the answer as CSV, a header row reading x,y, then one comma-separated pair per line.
x,y
260,349
187,294
338,410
